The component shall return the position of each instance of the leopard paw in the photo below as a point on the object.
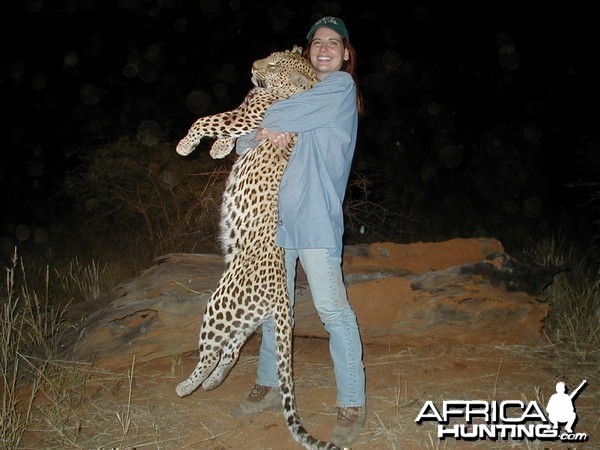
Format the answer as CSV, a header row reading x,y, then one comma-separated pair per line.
x,y
187,146
222,147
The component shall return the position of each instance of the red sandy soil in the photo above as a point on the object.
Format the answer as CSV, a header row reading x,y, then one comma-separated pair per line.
x,y
399,381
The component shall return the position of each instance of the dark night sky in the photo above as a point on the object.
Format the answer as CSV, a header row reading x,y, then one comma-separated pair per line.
x,y
439,78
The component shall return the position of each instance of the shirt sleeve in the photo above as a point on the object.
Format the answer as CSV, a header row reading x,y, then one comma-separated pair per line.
x,y
246,142
310,109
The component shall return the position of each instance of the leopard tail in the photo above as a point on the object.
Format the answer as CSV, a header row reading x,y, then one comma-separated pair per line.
x,y
286,385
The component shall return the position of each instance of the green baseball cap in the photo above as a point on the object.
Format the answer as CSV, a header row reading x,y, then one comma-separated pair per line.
x,y
335,23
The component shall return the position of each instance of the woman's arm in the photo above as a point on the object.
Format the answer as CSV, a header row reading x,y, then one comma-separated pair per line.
x,y
310,109
248,141
301,112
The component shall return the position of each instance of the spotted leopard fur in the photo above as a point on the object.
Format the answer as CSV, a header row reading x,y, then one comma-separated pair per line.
x,y
253,286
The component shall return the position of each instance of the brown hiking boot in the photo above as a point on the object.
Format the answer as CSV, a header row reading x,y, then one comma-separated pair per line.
x,y
348,425
261,398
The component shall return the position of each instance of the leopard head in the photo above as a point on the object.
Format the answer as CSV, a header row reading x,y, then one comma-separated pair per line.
x,y
284,73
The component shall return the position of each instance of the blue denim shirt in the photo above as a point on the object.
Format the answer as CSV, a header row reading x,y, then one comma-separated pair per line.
x,y
314,182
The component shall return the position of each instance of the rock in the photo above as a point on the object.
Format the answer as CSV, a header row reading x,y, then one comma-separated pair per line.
x,y
458,291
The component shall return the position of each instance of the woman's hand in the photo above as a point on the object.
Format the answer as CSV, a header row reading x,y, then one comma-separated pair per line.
x,y
278,139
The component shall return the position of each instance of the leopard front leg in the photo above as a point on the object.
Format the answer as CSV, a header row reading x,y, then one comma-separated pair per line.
x,y
226,127
191,140
229,125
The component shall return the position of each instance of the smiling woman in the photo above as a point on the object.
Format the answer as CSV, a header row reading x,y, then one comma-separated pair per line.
x,y
327,52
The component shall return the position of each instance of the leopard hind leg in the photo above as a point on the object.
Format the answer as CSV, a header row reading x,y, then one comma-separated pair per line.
x,y
207,361
212,339
229,356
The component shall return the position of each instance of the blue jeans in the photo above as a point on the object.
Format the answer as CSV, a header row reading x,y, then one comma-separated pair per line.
x,y
325,279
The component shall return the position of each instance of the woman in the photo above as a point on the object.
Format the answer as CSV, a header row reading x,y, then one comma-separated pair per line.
x,y
311,218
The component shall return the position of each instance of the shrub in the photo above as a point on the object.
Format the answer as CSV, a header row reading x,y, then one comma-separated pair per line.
x,y
150,192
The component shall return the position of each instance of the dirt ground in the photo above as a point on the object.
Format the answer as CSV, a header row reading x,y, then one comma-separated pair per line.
x,y
138,408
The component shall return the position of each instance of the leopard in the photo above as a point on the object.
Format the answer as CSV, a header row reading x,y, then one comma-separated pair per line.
x,y
252,288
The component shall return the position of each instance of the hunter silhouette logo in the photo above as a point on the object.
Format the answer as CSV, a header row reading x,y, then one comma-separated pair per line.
x,y
508,419
560,406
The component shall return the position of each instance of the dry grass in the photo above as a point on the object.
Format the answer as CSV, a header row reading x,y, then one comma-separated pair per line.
x,y
28,325
574,324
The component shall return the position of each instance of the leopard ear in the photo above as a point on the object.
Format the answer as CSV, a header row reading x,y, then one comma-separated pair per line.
x,y
299,80
297,49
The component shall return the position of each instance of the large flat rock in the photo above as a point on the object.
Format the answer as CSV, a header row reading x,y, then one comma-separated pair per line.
x,y
458,291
